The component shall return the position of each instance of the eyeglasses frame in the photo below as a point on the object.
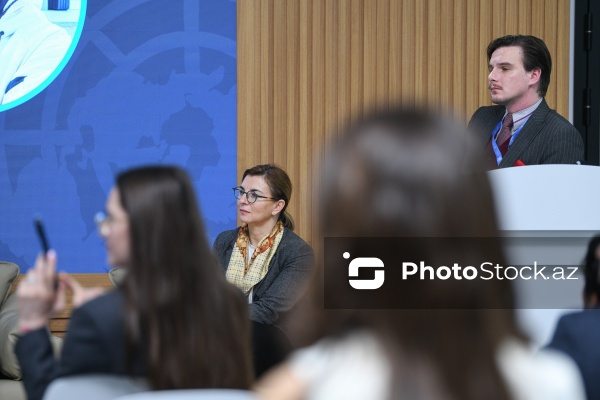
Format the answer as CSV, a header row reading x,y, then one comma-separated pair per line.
x,y
244,192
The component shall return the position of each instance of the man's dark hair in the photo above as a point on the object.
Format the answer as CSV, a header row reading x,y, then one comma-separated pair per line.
x,y
535,55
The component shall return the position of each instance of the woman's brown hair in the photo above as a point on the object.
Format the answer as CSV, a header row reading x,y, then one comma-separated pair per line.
x,y
409,174
190,323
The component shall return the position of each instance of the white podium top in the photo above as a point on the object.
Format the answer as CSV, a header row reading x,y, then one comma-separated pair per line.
x,y
547,197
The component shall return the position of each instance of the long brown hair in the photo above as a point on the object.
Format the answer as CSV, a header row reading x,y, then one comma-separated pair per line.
x,y
281,188
191,325
405,173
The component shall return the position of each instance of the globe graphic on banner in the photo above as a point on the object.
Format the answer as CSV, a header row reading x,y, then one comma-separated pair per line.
x,y
150,82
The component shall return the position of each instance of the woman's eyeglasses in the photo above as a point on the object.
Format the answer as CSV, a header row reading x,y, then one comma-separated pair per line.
x,y
251,195
102,220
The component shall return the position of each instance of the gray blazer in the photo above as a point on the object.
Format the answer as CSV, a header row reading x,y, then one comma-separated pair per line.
x,y
285,281
546,137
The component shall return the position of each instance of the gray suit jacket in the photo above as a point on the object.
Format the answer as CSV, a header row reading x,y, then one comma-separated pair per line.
x,y
546,137
285,281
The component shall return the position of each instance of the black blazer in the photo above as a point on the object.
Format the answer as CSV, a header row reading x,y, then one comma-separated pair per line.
x,y
578,335
546,137
95,343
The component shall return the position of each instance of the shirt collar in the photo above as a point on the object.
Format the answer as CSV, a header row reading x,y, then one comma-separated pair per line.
x,y
520,117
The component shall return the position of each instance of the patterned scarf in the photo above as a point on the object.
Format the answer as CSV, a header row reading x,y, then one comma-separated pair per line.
x,y
244,274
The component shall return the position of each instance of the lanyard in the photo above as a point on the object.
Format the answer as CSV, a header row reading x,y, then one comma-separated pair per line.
x,y
495,148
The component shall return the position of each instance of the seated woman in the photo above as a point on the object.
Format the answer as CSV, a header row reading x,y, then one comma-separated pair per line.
x,y
264,258
175,320
404,186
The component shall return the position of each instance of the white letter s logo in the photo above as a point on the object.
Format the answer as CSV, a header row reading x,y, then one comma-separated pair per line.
x,y
366,284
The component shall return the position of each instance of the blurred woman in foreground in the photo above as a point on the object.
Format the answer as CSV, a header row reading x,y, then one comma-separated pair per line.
x,y
409,175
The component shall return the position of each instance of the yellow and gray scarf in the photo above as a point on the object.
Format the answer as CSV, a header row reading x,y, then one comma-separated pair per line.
x,y
244,274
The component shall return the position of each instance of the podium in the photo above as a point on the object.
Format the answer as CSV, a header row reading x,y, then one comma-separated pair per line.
x,y
547,197
547,213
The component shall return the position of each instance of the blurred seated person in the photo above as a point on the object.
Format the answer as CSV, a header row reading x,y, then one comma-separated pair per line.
x,y
411,176
577,334
31,47
174,320
265,259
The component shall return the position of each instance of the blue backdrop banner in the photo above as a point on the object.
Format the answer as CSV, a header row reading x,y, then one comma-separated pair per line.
x,y
149,81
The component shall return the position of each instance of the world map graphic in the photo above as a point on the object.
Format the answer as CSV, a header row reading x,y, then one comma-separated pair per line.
x,y
151,81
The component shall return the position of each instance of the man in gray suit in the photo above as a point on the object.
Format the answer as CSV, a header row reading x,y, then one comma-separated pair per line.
x,y
521,129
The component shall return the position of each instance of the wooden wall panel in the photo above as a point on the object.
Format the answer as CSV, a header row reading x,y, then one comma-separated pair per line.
x,y
305,67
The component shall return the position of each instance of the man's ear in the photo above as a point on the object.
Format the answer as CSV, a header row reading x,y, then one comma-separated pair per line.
x,y
279,205
536,74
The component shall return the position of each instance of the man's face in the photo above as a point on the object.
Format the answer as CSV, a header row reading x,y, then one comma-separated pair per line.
x,y
508,82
